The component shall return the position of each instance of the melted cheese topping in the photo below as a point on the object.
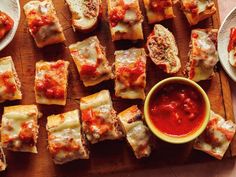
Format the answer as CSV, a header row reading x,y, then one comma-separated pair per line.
x,y
91,61
217,136
126,86
137,133
202,5
65,138
8,83
203,56
20,129
99,118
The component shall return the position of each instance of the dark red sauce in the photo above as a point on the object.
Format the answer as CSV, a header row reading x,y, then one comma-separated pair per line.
x,y
232,40
177,109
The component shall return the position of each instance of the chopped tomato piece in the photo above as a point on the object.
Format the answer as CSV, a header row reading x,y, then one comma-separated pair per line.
x,y
50,87
195,35
87,114
88,70
26,133
5,78
38,20
58,64
131,74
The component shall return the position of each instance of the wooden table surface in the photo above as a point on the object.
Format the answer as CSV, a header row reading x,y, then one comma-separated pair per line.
x,y
226,168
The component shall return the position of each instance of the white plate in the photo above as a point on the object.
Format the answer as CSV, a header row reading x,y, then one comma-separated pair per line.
x,y
11,8
223,41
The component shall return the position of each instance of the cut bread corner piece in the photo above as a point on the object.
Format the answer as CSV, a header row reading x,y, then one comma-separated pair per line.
x,y
3,163
85,14
137,134
163,49
158,10
197,10
9,81
217,136
203,55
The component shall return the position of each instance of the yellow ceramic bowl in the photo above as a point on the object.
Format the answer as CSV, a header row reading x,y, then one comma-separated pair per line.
x,y
171,138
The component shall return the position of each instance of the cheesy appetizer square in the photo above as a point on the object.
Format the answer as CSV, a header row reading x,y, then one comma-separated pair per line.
x,y
158,10
203,55
9,81
90,58
130,70
3,163
51,82
216,138
125,19
99,119
85,14
232,47
197,10
65,139
43,23
6,24
19,131
137,134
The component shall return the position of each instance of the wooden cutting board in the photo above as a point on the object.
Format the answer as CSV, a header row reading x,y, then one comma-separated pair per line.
x,y
107,156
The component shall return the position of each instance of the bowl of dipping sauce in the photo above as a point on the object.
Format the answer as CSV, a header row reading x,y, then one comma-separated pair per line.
x,y
177,110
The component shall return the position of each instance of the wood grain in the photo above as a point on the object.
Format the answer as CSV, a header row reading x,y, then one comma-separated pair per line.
x,y
107,156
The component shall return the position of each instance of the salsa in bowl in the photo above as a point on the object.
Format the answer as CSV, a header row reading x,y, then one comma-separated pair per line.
x,y
177,110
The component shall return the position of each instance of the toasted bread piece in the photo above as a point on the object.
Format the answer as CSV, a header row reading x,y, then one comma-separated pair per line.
x,y
197,10
85,14
158,10
90,58
203,54
137,134
217,136
125,20
130,71
9,82
43,23
66,141
163,49
51,80
19,131
99,120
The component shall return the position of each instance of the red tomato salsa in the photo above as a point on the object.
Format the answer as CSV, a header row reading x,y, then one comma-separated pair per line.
x,y
177,109
232,40
6,24
38,20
